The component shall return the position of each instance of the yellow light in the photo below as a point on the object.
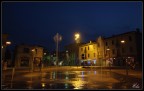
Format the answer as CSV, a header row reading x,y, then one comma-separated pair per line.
x,y
122,41
2,46
8,43
33,50
77,36
43,84
108,49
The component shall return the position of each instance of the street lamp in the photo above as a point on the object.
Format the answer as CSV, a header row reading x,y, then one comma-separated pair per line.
x,y
109,58
33,50
123,42
77,39
8,42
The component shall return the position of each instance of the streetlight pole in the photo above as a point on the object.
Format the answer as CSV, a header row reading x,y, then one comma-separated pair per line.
x,y
77,39
57,38
33,50
109,58
123,42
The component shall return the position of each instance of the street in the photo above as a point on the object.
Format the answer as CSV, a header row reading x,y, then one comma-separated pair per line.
x,y
71,78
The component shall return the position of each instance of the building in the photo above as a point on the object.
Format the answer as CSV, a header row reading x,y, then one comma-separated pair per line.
x,y
28,56
88,53
116,50
124,47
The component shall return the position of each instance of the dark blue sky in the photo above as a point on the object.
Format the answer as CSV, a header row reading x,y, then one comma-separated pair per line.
x,y
38,22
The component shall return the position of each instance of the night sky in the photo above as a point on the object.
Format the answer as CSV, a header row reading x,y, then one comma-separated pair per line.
x,y
38,22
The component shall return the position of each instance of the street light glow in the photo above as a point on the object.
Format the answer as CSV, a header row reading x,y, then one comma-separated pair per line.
x,y
33,50
122,41
8,43
77,36
108,49
44,53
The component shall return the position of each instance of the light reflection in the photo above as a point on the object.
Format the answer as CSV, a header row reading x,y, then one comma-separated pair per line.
x,y
66,77
54,75
43,85
78,84
94,72
66,85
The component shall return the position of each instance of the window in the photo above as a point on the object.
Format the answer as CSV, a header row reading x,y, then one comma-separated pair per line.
x,y
82,56
130,38
88,55
36,51
81,49
106,43
112,42
113,51
26,50
123,50
98,44
131,49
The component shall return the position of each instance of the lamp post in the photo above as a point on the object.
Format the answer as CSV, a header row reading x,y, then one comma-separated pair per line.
x,y
109,58
33,50
77,39
123,42
57,39
4,48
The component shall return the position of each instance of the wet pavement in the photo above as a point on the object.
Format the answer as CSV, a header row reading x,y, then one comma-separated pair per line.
x,y
93,79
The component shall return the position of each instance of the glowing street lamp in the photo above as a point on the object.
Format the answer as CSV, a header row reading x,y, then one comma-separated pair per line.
x,y
109,58
122,41
8,43
77,37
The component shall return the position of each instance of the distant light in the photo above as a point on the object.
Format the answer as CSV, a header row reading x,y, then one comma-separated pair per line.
x,y
77,36
44,53
66,51
108,49
122,41
33,50
2,46
8,43
43,84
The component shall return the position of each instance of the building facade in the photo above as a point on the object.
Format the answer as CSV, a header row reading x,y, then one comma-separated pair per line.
x,y
117,50
124,47
87,53
28,56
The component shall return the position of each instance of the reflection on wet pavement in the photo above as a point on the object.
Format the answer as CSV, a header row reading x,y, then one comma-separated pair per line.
x,y
71,80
